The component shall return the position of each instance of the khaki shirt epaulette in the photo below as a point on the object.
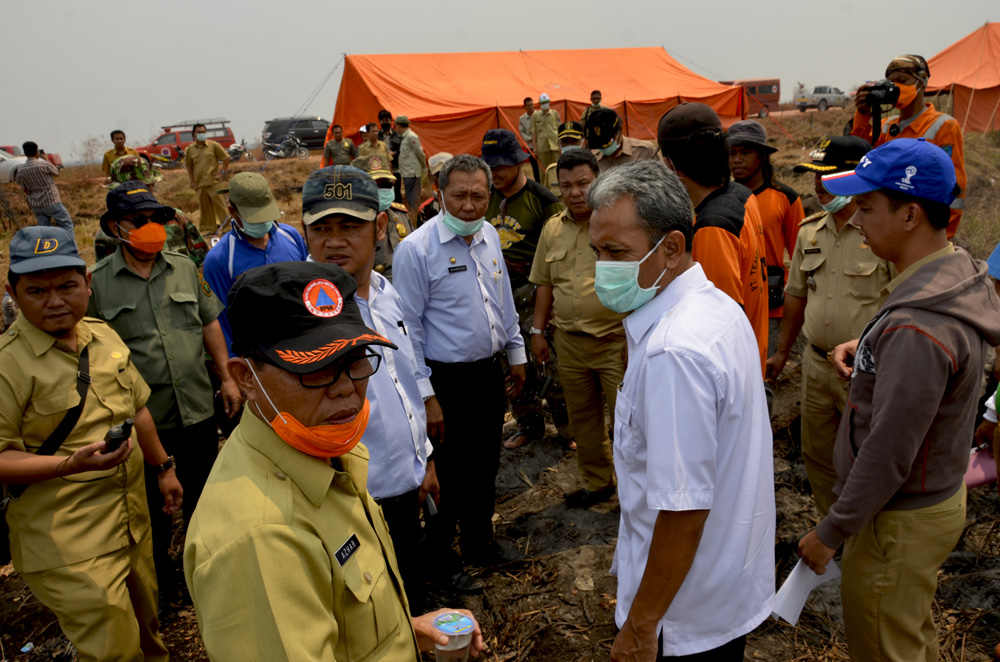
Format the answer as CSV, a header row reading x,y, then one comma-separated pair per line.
x,y
400,206
8,337
815,217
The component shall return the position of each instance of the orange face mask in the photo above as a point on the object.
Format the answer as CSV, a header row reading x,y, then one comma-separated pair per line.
x,y
150,238
324,441
907,93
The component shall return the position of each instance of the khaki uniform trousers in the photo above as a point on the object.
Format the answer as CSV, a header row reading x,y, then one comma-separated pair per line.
x,y
890,577
106,606
824,397
591,370
545,158
213,209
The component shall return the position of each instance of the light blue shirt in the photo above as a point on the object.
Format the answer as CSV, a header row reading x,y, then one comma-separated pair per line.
x,y
234,254
457,300
396,435
993,263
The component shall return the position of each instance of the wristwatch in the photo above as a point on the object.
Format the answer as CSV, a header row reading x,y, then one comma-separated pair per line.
x,y
537,332
168,465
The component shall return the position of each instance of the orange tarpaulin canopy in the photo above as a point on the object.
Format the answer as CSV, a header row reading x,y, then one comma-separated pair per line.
x,y
452,99
970,70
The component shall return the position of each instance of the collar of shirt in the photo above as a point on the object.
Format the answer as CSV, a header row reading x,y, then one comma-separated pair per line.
x,y
445,235
42,342
119,265
912,120
312,475
642,319
912,269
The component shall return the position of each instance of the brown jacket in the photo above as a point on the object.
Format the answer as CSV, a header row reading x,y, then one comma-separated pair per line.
x,y
904,439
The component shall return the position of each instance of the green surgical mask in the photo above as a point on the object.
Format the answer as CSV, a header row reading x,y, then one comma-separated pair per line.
x,y
386,196
457,225
610,149
257,230
200,137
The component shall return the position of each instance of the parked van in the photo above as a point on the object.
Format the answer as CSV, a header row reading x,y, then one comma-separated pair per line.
x,y
763,95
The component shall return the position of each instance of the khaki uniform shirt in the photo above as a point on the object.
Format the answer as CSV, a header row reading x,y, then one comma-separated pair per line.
x,y
565,261
545,126
289,558
633,149
843,282
379,148
412,161
398,229
111,156
58,521
205,161
162,321
340,153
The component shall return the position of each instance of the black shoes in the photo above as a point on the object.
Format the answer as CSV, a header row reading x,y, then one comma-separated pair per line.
x,y
466,584
494,555
585,498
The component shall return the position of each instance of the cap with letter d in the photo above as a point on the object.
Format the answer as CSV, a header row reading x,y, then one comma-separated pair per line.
x,y
43,247
309,320
906,165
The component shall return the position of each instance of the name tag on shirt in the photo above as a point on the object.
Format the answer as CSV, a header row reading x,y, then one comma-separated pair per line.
x,y
813,251
347,550
455,270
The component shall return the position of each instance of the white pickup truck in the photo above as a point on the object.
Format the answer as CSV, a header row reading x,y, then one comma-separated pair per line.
x,y
7,164
823,97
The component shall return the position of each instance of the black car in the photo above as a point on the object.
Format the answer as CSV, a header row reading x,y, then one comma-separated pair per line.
x,y
310,130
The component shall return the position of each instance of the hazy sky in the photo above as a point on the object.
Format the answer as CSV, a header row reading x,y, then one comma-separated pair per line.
x,y
74,69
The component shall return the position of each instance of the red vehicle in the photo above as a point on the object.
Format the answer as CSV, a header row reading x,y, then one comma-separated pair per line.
x,y
175,138
15,150
763,95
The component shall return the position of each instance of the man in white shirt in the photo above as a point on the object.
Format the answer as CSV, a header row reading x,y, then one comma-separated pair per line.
x,y
695,554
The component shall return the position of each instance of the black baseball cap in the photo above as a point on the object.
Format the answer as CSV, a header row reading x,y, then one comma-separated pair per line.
x,y
301,315
602,127
686,119
836,154
339,190
132,196
500,148
42,247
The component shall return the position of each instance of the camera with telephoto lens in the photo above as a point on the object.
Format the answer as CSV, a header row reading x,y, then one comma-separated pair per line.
x,y
117,436
883,93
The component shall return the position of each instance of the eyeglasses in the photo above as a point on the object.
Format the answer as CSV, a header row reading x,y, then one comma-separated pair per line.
x,y
358,369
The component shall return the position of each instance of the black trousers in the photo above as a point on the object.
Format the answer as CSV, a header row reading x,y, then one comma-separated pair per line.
x,y
194,449
473,401
402,514
731,651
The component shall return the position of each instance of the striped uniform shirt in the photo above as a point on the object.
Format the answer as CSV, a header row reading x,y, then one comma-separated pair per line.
x,y
396,435
35,177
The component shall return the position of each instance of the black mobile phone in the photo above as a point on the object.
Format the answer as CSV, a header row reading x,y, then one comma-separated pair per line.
x,y
117,436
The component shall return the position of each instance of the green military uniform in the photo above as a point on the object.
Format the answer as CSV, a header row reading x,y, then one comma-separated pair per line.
x,y
83,548
289,558
339,152
844,285
589,341
182,237
398,229
161,319
203,160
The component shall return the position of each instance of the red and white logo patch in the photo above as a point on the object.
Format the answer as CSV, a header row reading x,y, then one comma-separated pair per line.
x,y
323,299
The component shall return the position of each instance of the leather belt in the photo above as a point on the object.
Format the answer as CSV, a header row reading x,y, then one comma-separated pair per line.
x,y
825,355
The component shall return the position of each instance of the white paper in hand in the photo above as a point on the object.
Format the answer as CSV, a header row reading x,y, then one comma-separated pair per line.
x,y
791,597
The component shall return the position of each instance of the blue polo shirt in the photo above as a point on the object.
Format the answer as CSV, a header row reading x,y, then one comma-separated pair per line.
x,y
993,263
234,254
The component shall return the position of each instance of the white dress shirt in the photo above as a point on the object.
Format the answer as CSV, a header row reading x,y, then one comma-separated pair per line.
x,y
457,300
396,435
692,433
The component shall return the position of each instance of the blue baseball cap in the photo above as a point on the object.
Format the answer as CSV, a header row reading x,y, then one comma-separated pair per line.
x,y
339,190
912,166
43,247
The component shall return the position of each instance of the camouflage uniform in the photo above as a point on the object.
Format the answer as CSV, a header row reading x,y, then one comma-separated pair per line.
x,y
399,219
182,235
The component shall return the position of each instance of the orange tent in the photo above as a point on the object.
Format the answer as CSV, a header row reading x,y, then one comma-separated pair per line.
x,y
452,99
970,70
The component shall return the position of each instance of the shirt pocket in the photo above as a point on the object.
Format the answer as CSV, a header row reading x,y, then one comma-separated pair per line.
x,y
50,410
860,282
184,311
624,444
553,259
124,320
369,611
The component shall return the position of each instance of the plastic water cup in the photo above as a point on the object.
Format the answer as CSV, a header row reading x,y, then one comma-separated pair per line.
x,y
459,629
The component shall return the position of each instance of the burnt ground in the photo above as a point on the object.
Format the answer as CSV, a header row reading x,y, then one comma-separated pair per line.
x,y
558,604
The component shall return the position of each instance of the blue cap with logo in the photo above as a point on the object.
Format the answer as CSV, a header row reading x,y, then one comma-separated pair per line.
x,y
339,190
907,165
43,247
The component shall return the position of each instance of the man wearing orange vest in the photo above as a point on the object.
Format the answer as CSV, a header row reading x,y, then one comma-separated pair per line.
x,y
916,119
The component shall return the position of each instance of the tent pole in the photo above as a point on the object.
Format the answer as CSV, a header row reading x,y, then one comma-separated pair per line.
x,y
625,109
498,115
989,124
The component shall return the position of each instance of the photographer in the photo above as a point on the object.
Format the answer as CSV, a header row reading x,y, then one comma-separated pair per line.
x,y
79,529
907,77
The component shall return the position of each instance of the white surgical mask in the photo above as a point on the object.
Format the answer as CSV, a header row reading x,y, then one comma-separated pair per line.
x,y
200,137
